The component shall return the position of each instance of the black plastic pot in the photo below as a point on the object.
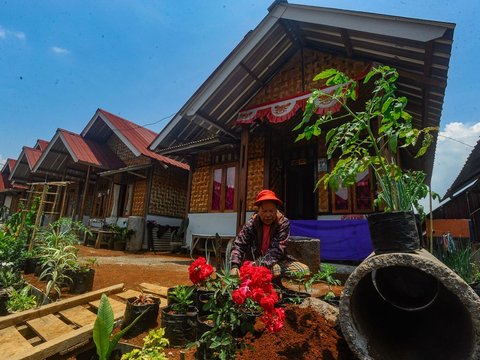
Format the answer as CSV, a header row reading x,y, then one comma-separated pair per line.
x,y
30,264
393,232
81,281
180,329
201,299
148,319
3,302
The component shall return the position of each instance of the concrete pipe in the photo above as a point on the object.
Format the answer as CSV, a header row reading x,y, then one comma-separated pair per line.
x,y
409,306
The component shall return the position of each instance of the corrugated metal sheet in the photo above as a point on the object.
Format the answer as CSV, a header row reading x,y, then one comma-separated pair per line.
x,y
32,156
41,144
90,152
470,171
419,49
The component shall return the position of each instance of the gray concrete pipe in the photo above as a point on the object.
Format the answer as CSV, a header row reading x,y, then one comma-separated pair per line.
x,y
409,306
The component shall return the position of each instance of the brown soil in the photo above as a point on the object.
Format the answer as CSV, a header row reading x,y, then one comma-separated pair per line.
x,y
306,336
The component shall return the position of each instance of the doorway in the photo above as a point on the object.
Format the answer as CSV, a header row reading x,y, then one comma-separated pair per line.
x,y
300,200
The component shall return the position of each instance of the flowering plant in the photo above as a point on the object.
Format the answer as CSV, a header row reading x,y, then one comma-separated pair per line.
x,y
199,270
234,305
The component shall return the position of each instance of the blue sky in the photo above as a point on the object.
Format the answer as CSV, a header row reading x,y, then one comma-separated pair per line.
x,y
61,60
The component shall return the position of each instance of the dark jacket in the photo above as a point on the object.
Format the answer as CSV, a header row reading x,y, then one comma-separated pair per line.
x,y
248,242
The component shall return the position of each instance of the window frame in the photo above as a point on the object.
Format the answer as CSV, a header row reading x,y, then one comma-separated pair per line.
x,y
224,168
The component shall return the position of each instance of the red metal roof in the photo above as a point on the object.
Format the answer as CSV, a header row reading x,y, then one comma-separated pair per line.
x,y
41,144
32,156
4,184
11,163
140,138
90,152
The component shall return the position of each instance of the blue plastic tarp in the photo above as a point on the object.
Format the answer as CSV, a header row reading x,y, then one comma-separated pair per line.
x,y
339,239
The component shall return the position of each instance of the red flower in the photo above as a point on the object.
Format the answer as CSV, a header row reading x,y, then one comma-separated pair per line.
x,y
238,297
258,294
199,270
268,303
274,321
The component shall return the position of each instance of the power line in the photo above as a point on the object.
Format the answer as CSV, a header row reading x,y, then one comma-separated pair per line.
x,y
461,142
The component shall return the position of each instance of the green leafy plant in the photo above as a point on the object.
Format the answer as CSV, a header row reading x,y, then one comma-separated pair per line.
x,y
361,145
21,300
182,298
458,256
10,278
325,274
11,248
105,343
153,347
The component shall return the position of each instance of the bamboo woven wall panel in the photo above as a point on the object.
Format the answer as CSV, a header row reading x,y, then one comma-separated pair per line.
x,y
124,153
288,81
139,191
200,188
168,195
254,180
256,147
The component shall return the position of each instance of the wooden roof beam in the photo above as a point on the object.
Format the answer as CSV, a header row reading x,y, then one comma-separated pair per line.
x,y
347,42
205,118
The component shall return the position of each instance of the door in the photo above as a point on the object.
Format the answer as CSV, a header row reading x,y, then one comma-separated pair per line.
x,y
300,199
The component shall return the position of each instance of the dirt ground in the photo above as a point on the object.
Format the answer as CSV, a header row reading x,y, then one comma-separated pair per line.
x,y
114,267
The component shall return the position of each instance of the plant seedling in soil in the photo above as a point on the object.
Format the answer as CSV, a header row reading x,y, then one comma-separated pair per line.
x,y
153,347
143,299
182,298
21,300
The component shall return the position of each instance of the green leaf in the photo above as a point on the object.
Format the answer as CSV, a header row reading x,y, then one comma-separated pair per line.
x,y
386,104
392,143
325,74
330,133
300,137
103,328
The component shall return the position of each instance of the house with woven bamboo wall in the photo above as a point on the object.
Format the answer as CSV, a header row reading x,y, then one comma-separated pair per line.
x,y
236,130
148,185
9,192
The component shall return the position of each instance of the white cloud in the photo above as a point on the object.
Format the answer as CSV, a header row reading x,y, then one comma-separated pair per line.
x,y
60,51
454,145
6,33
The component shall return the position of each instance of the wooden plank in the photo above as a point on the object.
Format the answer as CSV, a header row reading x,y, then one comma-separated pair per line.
x,y
117,306
23,316
154,289
59,344
49,327
128,294
79,315
12,342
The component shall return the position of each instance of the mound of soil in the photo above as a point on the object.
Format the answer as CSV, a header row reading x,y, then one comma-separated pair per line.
x,y
307,335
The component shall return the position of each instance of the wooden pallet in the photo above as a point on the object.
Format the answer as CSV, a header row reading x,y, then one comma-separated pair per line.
x,y
54,328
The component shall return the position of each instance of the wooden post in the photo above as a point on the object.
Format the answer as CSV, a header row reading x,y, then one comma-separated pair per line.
x,y
189,189
84,195
64,200
148,192
38,218
267,156
242,179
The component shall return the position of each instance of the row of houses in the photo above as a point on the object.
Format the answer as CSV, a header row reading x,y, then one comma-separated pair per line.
x,y
234,137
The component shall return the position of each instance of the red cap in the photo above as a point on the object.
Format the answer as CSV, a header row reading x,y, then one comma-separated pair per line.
x,y
267,195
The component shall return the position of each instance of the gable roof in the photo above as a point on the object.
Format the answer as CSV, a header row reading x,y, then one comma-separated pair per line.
x,y
83,151
470,172
27,159
135,137
419,49
41,144
9,164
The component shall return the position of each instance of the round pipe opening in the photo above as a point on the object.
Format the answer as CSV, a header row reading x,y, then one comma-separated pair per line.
x,y
406,288
440,327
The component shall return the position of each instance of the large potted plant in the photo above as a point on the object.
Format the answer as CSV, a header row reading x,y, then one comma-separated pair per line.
x,y
82,275
369,140
180,318
141,304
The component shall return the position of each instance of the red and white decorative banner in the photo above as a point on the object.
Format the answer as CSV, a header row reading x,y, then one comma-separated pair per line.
x,y
282,110
285,109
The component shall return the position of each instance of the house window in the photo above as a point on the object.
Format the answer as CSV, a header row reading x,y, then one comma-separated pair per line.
x,y
223,188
